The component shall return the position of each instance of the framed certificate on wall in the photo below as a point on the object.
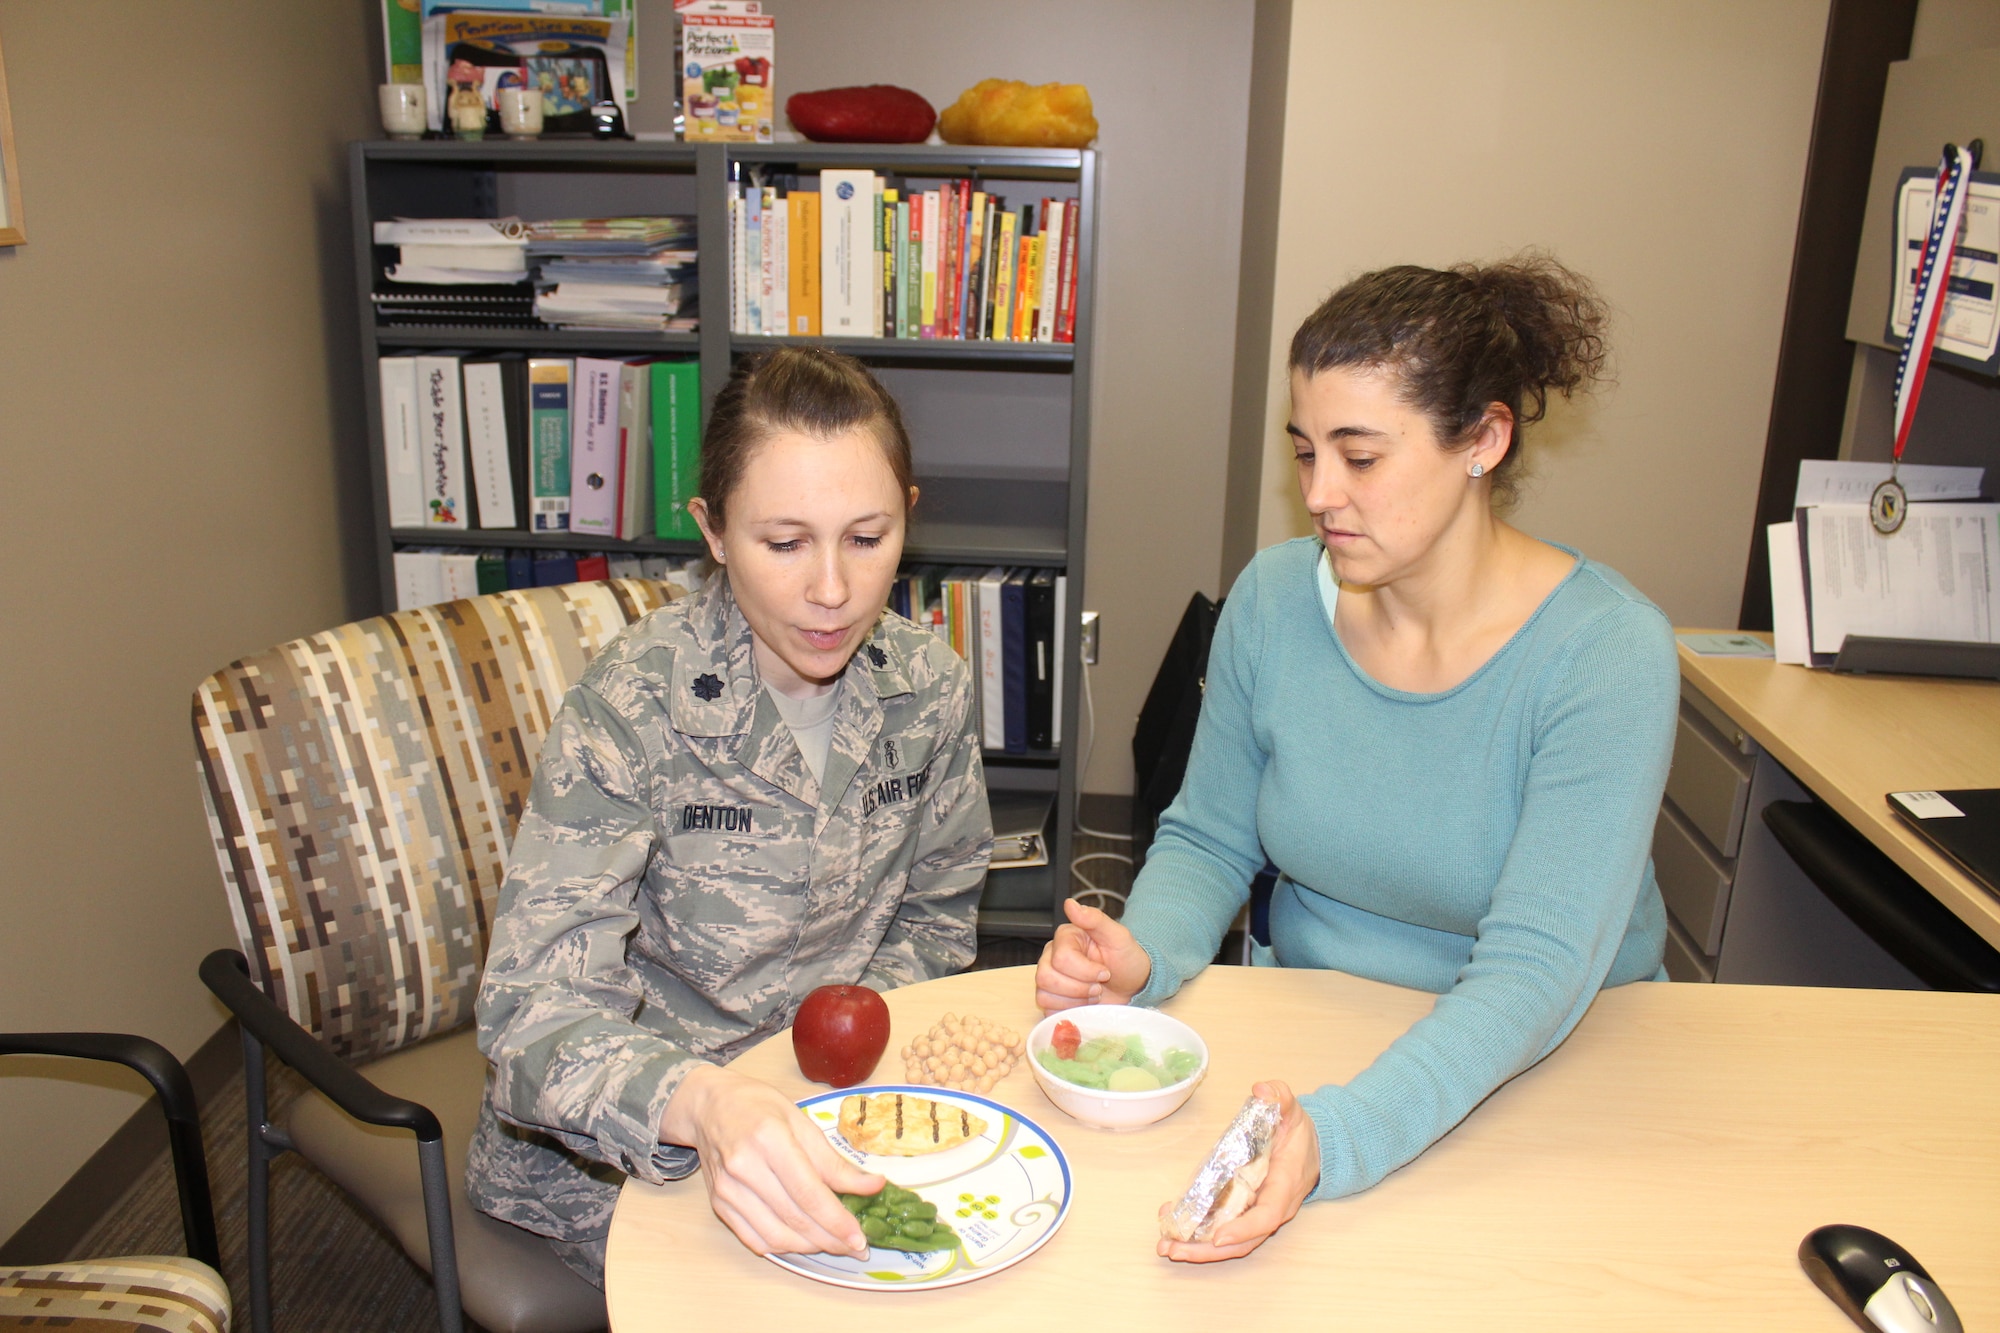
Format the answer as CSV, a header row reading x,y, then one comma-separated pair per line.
x,y
11,232
1969,330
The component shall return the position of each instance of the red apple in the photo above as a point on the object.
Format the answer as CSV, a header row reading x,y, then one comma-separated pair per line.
x,y
840,1033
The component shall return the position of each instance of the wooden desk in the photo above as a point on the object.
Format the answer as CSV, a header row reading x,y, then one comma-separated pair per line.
x,y
1853,739
1658,1171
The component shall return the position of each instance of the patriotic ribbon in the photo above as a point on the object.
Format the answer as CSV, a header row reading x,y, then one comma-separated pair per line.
x,y
1955,164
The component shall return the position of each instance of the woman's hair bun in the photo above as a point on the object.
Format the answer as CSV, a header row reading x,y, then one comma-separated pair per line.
x,y
1462,338
1557,321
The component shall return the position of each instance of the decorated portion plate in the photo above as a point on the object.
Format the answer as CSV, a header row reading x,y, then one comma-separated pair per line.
x,y
1004,1192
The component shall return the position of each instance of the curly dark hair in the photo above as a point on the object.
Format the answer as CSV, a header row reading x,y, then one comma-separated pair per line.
x,y
804,389
1461,338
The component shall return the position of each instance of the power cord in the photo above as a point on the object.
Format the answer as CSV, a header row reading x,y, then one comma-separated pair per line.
x,y
1093,895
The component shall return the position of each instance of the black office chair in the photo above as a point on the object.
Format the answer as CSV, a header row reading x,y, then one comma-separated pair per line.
x,y
155,1291
1164,735
1881,898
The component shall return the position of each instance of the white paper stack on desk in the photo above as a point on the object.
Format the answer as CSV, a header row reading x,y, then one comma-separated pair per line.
x,y
1833,574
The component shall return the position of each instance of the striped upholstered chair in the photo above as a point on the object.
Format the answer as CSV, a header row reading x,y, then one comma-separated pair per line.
x,y
362,787
163,1293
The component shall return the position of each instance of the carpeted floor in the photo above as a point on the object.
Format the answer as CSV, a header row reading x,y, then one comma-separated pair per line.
x,y
332,1269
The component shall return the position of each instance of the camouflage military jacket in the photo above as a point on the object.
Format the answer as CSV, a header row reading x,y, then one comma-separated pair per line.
x,y
679,883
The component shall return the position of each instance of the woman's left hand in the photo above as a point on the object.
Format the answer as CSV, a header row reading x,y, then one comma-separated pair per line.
x,y
1294,1174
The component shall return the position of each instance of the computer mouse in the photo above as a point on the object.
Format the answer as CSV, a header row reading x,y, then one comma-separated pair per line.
x,y
1876,1281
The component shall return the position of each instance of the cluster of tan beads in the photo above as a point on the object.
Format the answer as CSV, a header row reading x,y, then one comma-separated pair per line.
x,y
967,1054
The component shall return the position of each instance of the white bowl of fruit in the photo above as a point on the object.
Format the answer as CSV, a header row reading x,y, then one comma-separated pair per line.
x,y
1116,1066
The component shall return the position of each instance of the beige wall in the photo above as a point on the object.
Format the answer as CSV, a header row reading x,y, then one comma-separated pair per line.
x,y
1659,149
167,419
1945,26
1170,82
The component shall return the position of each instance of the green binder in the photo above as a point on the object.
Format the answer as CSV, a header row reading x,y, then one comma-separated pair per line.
x,y
676,446
491,571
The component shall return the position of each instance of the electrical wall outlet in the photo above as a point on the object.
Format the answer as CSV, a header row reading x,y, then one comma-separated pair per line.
x,y
1089,644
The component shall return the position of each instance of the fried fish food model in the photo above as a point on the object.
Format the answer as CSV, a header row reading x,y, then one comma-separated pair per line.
x,y
895,1124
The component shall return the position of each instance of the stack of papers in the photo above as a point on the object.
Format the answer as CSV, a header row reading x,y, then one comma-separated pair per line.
x,y
615,273
1833,574
610,236
634,270
604,305
456,252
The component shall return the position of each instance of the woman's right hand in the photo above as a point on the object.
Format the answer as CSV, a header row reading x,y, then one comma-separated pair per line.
x,y
770,1172
1092,960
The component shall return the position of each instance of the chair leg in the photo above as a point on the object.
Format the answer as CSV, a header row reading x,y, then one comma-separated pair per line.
x,y
268,1140
259,1192
437,1220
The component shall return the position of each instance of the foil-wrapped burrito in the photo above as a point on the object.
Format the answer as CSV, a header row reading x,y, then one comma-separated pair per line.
x,y
1227,1182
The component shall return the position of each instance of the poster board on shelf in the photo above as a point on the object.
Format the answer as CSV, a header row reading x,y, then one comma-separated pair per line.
x,y
576,61
402,30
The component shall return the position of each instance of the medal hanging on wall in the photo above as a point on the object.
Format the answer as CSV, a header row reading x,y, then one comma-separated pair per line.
x,y
1887,506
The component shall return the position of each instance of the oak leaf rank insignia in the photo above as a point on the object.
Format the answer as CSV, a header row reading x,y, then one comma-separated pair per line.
x,y
877,656
707,687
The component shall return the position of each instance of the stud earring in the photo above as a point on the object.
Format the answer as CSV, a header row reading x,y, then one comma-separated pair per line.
x,y
1478,470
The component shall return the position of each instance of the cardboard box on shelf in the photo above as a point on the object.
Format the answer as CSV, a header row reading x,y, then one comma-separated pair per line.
x,y
727,70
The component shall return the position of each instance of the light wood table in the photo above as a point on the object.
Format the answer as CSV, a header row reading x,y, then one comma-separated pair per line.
x,y
1658,1171
1854,739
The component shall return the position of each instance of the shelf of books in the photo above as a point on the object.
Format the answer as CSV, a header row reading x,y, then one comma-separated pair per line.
x,y
544,323
548,340
914,349
956,543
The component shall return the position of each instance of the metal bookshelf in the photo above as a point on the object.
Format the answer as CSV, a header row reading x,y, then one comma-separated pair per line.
x,y
991,511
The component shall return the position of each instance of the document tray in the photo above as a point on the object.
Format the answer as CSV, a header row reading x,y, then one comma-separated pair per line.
x,y
1866,654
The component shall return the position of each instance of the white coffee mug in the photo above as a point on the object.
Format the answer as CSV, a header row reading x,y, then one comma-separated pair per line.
x,y
403,109
520,112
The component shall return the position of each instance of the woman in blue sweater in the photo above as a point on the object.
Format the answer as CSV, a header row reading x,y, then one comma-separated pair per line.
x,y
1457,734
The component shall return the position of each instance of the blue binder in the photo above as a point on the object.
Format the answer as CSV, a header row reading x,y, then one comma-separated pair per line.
x,y
555,569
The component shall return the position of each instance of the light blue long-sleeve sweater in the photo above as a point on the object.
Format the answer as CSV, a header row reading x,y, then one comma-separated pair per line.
x,y
1490,843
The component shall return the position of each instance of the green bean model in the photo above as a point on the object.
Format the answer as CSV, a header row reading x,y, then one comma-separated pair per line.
x,y
896,1219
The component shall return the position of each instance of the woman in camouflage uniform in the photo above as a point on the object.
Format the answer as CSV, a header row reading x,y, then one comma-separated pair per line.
x,y
766,787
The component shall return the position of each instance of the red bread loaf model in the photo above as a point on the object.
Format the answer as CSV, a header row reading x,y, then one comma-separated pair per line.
x,y
878,113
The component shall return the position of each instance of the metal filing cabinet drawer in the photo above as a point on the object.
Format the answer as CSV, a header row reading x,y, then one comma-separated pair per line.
x,y
1694,880
1710,780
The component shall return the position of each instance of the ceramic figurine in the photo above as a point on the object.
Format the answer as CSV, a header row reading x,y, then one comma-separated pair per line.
x,y
465,108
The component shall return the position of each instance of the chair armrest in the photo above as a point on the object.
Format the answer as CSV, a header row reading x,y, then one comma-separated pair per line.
x,y
170,1080
152,1060
227,974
